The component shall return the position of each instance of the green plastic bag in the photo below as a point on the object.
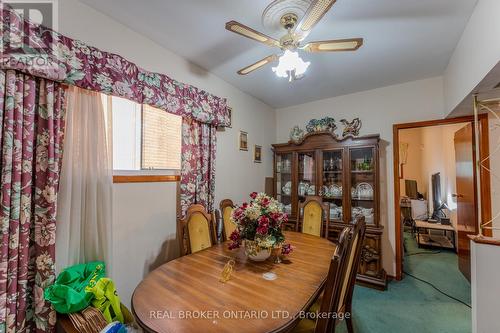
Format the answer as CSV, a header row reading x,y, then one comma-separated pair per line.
x,y
68,294
106,300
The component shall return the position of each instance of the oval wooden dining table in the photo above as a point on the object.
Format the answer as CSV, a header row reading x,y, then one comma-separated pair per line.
x,y
185,294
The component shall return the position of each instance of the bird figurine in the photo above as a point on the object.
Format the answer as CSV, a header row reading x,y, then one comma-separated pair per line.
x,y
351,128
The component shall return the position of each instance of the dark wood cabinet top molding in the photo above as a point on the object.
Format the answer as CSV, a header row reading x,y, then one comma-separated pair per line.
x,y
320,139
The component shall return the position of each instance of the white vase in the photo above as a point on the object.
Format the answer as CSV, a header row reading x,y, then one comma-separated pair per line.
x,y
256,255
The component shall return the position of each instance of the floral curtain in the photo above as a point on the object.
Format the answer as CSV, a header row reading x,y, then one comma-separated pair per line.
x,y
45,53
198,164
32,126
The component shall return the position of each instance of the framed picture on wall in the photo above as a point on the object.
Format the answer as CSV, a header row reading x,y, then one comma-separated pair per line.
x,y
243,140
257,154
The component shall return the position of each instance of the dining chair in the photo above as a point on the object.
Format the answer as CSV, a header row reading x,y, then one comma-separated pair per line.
x,y
196,230
339,286
312,214
226,208
357,239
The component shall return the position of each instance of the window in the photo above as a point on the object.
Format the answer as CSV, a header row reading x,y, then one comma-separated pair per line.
x,y
161,139
145,138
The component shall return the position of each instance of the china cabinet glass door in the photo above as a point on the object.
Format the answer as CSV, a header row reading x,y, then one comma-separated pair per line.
x,y
332,189
307,175
363,183
284,181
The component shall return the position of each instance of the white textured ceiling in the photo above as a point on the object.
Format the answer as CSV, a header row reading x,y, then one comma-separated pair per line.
x,y
404,40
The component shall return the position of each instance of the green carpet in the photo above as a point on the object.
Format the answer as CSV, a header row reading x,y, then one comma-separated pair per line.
x,y
412,306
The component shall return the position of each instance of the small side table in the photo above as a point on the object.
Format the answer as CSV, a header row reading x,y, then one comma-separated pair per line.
x,y
443,241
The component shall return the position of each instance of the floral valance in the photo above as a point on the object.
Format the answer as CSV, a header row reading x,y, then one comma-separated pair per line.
x,y
42,52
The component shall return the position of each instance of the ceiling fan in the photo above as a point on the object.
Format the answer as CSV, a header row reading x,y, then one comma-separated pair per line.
x,y
290,65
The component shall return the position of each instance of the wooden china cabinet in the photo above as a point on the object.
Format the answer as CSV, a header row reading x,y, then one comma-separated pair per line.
x,y
345,173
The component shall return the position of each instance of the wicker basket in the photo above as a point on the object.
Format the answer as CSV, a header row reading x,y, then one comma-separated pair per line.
x,y
91,320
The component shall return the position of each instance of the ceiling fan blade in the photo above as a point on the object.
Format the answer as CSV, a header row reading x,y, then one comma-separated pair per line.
x,y
334,45
248,32
315,12
258,64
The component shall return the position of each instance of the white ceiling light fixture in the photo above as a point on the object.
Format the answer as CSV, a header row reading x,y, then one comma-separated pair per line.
x,y
291,66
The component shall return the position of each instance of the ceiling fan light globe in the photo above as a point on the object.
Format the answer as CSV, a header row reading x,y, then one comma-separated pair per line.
x,y
301,67
290,62
280,72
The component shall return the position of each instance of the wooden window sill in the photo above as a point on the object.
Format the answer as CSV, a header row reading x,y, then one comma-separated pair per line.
x,y
484,240
118,179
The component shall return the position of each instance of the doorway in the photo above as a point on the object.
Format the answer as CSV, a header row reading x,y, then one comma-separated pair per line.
x,y
433,207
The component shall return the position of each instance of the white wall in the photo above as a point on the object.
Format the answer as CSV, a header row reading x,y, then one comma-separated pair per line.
x,y
412,170
484,288
144,234
145,213
378,109
477,52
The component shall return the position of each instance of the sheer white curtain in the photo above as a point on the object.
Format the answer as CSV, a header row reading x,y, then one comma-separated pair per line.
x,y
84,213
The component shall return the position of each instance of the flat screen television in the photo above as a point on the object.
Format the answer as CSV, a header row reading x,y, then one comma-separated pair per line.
x,y
436,196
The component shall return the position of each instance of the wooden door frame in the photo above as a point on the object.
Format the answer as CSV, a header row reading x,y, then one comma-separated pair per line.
x,y
485,176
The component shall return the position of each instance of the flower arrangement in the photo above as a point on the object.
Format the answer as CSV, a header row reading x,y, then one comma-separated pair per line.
x,y
259,223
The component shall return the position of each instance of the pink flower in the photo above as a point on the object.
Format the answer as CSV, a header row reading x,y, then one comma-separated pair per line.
x,y
235,235
286,249
244,205
253,195
235,240
237,213
263,220
262,229
275,219
265,202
